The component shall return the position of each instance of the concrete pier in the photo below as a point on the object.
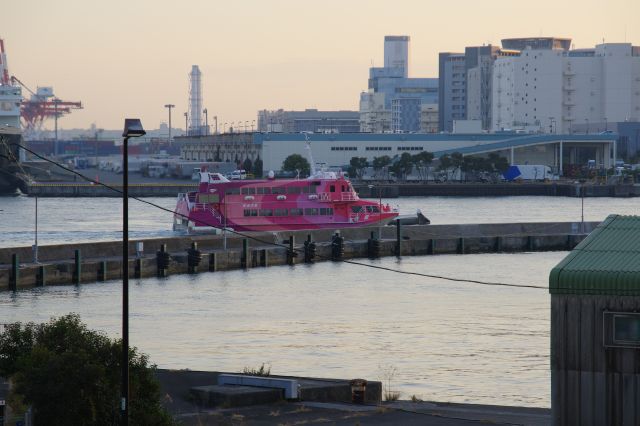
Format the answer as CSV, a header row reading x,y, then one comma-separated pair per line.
x,y
101,261
389,190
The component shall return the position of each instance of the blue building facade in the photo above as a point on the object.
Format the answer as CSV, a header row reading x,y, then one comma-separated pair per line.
x,y
453,90
390,90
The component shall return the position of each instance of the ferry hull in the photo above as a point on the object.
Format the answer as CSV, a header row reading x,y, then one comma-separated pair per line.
x,y
271,205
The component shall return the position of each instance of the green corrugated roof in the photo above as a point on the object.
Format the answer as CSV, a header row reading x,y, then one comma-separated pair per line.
x,y
606,262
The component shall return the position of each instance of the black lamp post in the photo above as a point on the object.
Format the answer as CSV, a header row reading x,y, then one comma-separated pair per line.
x,y
132,129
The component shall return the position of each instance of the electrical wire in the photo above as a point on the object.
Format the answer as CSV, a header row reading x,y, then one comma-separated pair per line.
x,y
270,243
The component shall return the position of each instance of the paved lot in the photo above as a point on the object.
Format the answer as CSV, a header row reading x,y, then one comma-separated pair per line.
x,y
176,385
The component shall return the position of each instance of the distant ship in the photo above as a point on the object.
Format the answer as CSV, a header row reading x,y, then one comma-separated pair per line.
x,y
324,200
11,178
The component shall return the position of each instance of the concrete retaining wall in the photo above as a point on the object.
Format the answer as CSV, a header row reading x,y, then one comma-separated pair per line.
x,y
101,261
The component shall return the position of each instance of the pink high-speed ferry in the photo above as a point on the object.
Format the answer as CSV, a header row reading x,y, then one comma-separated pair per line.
x,y
324,200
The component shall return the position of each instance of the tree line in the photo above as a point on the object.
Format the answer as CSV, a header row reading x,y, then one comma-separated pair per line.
x,y
419,164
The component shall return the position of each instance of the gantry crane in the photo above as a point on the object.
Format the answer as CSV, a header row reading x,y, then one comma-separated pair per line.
x,y
41,106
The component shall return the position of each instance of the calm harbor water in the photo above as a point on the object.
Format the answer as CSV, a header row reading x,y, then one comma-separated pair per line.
x,y
99,219
447,341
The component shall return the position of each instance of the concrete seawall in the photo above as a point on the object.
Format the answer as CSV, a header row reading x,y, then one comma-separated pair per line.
x,y
384,190
101,261
565,189
54,189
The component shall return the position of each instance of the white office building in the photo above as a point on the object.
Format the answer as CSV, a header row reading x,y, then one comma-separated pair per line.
x,y
557,90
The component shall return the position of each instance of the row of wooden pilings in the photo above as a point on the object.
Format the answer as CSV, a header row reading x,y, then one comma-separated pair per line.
x,y
195,258
282,252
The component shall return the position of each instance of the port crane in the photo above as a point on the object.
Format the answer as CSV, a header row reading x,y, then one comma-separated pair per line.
x,y
42,105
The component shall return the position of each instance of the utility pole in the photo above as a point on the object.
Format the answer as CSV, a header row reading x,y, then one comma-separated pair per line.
x,y
206,121
215,118
186,124
169,106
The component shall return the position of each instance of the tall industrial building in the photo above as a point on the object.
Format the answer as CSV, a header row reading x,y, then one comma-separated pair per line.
x,y
552,89
393,101
195,102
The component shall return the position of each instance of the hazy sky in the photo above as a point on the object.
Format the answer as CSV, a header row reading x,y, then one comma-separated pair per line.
x,y
130,57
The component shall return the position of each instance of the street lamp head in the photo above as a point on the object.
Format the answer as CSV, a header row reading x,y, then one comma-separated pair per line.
x,y
169,106
133,128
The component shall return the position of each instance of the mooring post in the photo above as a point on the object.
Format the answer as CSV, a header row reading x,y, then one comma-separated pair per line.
x,y
398,237
40,277
77,271
244,256
162,259
15,272
309,250
432,246
137,270
194,257
461,245
102,271
498,246
212,262
529,243
337,247
290,251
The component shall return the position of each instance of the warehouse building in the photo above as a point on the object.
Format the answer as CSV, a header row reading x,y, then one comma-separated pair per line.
x,y
336,150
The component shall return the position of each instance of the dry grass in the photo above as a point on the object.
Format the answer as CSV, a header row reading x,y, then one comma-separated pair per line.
x,y
414,398
390,395
263,370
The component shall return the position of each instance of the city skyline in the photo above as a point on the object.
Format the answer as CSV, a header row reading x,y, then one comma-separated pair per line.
x,y
124,59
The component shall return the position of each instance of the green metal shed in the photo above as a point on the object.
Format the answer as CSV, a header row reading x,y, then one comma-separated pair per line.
x,y
595,328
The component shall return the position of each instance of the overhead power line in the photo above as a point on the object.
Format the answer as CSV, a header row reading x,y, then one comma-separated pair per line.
x,y
271,243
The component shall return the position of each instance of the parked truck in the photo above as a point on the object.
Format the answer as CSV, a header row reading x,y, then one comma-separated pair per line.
x,y
529,172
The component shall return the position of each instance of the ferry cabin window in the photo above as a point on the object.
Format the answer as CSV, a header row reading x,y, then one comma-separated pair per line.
x,y
248,191
356,209
294,190
278,190
332,188
250,212
313,188
280,212
263,190
209,198
311,212
326,211
232,191
372,209
266,212
295,212
305,189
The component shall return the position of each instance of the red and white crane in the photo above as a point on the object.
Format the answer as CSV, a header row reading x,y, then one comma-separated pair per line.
x,y
42,104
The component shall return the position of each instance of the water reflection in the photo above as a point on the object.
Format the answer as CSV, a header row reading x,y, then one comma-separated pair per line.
x,y
449,341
